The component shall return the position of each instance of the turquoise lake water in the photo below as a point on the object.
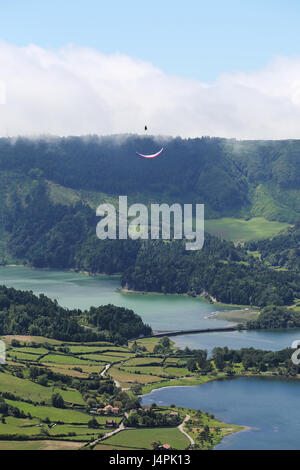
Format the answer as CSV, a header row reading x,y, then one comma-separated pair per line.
x,y
162,312
268,406
74,290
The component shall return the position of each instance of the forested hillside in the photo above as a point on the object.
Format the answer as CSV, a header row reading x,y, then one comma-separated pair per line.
x,y
189,170
23,313
50,188
219,269
281,251
230,177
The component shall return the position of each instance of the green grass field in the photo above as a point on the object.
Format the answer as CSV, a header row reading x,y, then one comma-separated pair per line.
x,y
168,371
143,438
23,356
40,445
240,230
126,379
95,349
36,351
147,388
148,343
106,357
31,391
63,359
29,339
138,361
27,427
48,424
54,414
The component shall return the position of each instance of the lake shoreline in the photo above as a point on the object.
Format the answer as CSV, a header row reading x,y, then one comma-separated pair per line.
x,y
197,382
234,429
245,428
123,290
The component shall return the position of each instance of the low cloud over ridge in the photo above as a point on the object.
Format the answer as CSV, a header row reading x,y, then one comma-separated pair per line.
x,y
76,91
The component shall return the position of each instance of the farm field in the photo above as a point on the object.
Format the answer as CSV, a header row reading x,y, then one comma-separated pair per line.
x,y
40,445
105,357
29,390
23,356
138,361
126,379
159,371
64,359
143,438
54,414
147,343
61,399
241,230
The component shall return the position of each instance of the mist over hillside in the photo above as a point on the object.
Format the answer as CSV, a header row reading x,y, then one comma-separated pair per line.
x,y
50,188
239,178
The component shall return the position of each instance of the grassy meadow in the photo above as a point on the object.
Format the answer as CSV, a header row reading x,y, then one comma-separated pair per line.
x,y
241,230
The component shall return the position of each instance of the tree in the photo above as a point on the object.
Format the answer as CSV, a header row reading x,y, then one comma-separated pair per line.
x,y
156,445
133,420
165,342
43,380
191,365
219,362
93,423
57,401
137,388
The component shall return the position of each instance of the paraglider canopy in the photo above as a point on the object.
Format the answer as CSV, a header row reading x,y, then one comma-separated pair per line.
x,y
154,155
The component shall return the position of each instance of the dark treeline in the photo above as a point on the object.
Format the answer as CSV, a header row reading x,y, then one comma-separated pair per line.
x,y
256,358
118,320
9,410
220,173
45,234
226,360
52,235
188,170
272,317
22,312
219,269
150,418
282,250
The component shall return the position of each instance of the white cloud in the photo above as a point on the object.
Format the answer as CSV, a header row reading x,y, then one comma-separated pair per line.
x,y
75,91
2,93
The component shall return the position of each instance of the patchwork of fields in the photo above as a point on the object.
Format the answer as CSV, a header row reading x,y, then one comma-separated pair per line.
x,y
87,377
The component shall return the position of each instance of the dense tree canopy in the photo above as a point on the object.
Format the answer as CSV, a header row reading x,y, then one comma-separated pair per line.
x,y
219,269
229,177
22,312
272,317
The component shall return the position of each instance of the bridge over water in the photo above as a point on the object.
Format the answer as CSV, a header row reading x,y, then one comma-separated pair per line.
x,y
160,334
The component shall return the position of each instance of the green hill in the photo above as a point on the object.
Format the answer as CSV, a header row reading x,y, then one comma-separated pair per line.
x,y
232,178
49,190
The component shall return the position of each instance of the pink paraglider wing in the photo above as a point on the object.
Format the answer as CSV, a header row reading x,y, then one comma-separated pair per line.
x,y
154,155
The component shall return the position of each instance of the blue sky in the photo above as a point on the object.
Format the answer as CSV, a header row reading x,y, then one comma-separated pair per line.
x,y
227,68
192,38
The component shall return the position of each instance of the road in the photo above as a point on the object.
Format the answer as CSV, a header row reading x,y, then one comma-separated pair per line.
x,y
106,436
117,384
181,426
105,370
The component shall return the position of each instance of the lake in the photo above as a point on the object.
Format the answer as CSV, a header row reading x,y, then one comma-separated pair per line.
x,y
162,312
247,401
75,290
267,340
268,406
